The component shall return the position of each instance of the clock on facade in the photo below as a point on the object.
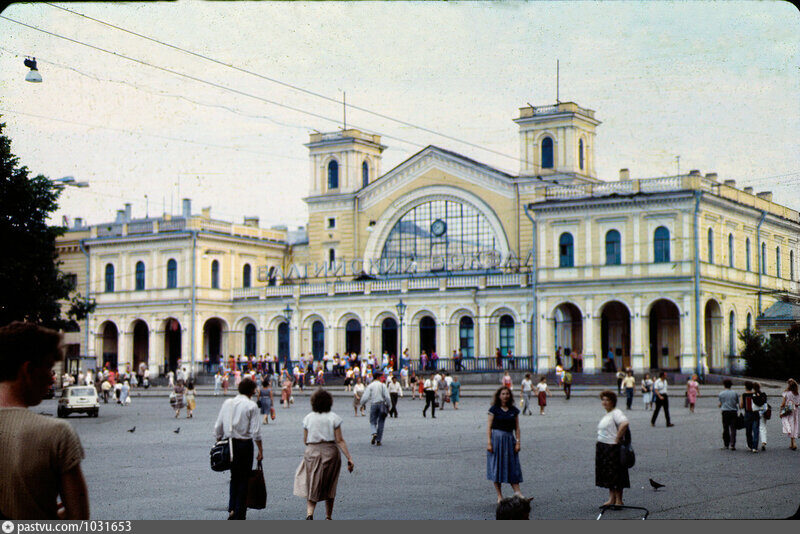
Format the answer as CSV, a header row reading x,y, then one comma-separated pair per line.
x,y
438,228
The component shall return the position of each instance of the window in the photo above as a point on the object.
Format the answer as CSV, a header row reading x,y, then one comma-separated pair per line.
x,y
778,262
763,258
506,334
246,271
580,154
710,245
318,340
364,174
731,334
72,280
172,274
333,175
331,222
791,265
139,276
466,337
565,253
547,153
613,248
661,245
747,252
109,278
749,321
215,274
730,250
250,340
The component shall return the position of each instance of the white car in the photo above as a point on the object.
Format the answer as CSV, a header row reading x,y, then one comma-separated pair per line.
x,y
78,399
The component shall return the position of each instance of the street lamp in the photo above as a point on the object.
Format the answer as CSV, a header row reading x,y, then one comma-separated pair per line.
x,y
287,312
68,181
401,311
33,75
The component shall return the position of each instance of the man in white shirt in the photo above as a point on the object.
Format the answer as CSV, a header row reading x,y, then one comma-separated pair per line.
x,y
527,393
661,398
430,396
378,393
239,420
395,392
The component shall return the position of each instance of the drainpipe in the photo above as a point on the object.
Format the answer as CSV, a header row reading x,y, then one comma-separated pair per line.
x,y
194,292
88,294
758,254
698,347
534,277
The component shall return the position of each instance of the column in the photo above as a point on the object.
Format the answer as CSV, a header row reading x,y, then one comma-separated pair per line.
x,y
155,348
367,333
294,343
546,337
199,353
637,331
123,347
524,347
483,332
688,358
442,345
590,359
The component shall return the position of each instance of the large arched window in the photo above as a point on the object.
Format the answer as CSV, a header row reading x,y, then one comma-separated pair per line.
x,y
250,339
580,154
139,276
172,274
547,153
661,245
613,248
352,337
246,272
730,250
566,255
732,334
506,334
466,337
439,229
364,174
778,262
317,340
763,258
109,278
215,274
333,174
710,245
747,252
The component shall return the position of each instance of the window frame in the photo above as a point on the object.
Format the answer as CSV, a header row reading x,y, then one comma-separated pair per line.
x,y
664,243
545,162
172,274
215,274
617,253
566,256
109,274
139,276
333,174
247,275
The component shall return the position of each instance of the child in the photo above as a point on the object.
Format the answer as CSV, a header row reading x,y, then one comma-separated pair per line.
x,y
541,390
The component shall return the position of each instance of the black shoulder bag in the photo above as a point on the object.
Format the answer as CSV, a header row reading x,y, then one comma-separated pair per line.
x,y
627,457
222,452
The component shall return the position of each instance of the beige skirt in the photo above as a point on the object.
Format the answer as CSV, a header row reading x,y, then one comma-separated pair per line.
x,y
318,473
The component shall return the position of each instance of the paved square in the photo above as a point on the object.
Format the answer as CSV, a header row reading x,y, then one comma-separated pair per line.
x,y
434,469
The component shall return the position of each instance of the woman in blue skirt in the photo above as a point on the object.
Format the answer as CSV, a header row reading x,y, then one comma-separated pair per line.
x,y
502,449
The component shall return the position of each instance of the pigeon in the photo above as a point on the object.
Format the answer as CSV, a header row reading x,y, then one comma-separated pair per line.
x,y
177,430
132,430
655,484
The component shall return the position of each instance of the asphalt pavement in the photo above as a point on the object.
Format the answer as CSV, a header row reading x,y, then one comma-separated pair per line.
x,y
435,468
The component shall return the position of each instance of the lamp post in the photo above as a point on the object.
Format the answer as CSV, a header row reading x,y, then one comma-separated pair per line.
x,y
401,311
287,313
68,181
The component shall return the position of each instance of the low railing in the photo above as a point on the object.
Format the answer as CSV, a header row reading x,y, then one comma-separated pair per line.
x,y
142,227
501,280
463,281
658,185
172,225
109,230
423,283
348,287
246,292
278,291
386,285
313,289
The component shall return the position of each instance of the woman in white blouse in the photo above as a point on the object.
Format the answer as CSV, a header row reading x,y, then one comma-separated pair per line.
x,y
317,475
609,471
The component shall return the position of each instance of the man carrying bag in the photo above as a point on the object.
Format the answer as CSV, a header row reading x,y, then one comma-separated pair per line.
x,y
240,421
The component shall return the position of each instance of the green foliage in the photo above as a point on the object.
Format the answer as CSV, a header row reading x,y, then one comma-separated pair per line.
x,y
775,358
32,284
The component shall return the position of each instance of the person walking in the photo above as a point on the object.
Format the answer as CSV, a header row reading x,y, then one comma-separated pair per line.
x,y
40,465
628,383
239,421
620,378
217,382
106,387
412,382
503,443
790,415
191,402
507,382
661,399
692,391
527,393
609,471
265,398
317,476
124,394
378,394
761,405
358,391
395,392
430,396
176,398
286,389
455,392
442,390
541,393
751,417
647,391
728,406
567,384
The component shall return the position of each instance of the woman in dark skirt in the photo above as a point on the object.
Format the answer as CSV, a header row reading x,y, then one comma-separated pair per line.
x,y
609,471
502,449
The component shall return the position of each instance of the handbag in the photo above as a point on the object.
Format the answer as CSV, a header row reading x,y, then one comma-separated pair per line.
x,y
768,413
787,410
257,489
221,455
739,423
627,456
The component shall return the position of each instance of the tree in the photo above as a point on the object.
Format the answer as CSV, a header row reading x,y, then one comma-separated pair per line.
x,y
773,358
33,287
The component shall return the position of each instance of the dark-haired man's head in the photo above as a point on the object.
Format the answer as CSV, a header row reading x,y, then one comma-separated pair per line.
x,y
513,508
727,383
247,387
748,385
27,355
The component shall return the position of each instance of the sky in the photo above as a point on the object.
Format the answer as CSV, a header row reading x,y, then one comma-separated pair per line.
x,y
715,83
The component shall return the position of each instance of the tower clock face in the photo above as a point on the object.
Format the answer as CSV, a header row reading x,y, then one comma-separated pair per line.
x,y
438,228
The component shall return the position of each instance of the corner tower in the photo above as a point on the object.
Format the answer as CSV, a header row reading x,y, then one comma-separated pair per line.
x,y
557,139
343,161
